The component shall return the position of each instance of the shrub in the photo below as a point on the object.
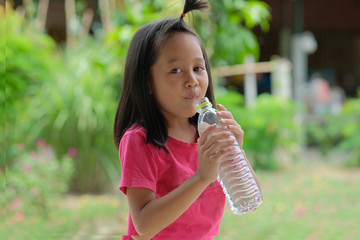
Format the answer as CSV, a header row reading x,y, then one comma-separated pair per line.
x,y
34,180
76,109
349,128
29,60
269,125
340,132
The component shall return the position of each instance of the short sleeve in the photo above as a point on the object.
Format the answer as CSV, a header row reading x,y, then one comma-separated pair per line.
x,y
138,168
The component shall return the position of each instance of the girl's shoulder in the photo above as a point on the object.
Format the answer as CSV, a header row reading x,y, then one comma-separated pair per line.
x,y
134,142
136,128
135,135
136,131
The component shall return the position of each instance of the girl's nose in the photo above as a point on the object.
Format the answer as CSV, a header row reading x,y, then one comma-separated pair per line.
x,y
191,81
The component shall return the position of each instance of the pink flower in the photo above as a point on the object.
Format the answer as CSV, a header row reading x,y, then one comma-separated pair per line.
x,y
26,168
300,210
72,152
40,143
18,217
16,203
316,235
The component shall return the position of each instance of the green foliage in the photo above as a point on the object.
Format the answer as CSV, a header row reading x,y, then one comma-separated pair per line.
x,y
23,42
234,101
226,33
269,125
341,132
35,180
350,130
76,110
320,133
27,59
67,98
228,36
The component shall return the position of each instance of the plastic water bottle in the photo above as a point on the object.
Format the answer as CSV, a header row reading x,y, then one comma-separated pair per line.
x,y
235,177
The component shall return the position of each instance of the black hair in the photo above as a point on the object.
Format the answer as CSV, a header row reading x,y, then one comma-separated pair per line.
x,y
136,104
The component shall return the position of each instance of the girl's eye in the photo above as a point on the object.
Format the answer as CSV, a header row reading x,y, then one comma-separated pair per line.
x,y
176,70
198,69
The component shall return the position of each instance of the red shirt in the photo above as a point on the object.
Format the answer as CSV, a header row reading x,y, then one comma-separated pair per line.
x,y
145,165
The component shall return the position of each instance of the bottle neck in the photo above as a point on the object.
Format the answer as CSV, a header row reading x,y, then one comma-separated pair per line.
x,y
203,105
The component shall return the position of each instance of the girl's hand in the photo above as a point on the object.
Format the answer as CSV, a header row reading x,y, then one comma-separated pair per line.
x,y
227,119
214,144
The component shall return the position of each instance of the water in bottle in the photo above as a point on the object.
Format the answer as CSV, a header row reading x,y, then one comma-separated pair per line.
x,y
235,177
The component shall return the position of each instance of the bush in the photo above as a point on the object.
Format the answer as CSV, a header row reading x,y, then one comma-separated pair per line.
x,y
76,109
349,129
35,180
69,96
227,33
340,132
29,61
269,126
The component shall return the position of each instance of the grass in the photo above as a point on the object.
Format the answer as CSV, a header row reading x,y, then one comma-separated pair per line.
x,y
76,217
309,201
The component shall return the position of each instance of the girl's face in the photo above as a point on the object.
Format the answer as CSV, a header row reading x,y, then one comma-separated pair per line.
x,y
179,76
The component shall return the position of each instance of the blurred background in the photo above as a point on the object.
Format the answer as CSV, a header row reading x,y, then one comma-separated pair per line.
x,y
288,70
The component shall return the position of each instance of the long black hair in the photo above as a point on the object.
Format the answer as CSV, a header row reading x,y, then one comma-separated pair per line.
x,y
136,104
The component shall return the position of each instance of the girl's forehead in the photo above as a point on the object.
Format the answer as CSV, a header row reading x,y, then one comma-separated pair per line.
x,y
179,44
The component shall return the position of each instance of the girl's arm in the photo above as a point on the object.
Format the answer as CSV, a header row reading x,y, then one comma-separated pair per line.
x,y
150,214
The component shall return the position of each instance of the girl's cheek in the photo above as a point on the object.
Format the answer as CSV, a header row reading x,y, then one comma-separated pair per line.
x,y
204,85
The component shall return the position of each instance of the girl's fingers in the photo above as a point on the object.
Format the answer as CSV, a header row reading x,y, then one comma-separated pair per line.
x,y
222,152
238,133
221,107
236,129
228,120
205,133
213,140
225,114
217,144
217,140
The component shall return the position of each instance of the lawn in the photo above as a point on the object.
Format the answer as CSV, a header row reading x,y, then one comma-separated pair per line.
x,y
309,201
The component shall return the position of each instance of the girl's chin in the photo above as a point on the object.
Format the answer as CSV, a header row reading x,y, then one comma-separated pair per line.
x,y
193,113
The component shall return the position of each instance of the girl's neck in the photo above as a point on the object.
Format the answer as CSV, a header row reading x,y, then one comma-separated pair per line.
x,y
185,132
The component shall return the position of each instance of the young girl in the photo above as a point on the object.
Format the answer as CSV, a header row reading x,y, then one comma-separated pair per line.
x,y
168,173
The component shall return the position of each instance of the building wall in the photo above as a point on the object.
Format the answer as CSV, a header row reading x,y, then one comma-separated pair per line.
x,y
336,27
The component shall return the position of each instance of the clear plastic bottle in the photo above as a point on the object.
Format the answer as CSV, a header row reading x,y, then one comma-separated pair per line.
x,y
235,177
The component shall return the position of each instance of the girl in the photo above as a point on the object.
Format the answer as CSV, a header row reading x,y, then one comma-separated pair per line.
x,y
169,173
